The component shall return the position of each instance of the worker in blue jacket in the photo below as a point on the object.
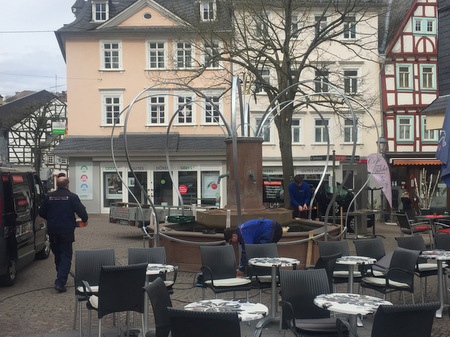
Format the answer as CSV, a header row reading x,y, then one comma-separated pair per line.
x,y
300,196
253,232
59,209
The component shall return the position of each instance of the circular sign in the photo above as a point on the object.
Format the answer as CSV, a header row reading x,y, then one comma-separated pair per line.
x,y
214,186
183,189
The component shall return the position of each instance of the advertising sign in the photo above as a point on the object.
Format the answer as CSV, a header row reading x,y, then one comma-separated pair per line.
x,y
84,180
379,168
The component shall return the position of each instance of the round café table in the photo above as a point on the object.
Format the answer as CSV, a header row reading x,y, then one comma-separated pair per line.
x,y
440,256
351,304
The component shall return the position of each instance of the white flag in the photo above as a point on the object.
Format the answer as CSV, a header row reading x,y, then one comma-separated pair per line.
x,y
379,168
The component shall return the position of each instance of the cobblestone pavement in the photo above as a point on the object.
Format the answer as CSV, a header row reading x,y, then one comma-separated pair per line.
x,y
33,308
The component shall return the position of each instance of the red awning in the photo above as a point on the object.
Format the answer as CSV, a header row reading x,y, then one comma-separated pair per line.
x,y
416,162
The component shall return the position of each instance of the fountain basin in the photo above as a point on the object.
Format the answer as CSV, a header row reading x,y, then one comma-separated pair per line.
x,y
187,256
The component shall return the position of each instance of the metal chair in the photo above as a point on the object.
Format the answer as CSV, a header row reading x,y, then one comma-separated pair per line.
x,y
152,255
373,248
219,271
187,323
411,227
423,268
414,320
399,277
119,290
261,276
299,314
160,300
88,264
341,272
442,241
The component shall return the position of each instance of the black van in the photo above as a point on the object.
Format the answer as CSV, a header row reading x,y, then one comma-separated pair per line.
x,y
23,233
273,193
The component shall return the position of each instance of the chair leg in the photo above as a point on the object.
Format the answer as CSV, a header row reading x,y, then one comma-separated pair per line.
x,y
75,314
89,323
421,290
80,314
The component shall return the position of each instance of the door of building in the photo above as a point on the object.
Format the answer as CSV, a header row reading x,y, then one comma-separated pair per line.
x,y
135,189
162,189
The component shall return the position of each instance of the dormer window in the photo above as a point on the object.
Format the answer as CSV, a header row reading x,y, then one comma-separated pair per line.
x,y
100,11
208,10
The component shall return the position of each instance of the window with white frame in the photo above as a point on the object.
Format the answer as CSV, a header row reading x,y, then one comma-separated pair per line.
x,y
351,81
404,76
185,108
405,128
261,28
296,131
266,134
184,55
157,51
211,51
350,28
428,135
428,76
157,110
111,55
212,115
295,29
265,81
348,130
321,78
424,26
112,102
320,24
208,10
100,11
321,130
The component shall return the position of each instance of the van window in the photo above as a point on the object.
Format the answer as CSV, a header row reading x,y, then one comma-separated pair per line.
x,y
39,190
7,195
21,192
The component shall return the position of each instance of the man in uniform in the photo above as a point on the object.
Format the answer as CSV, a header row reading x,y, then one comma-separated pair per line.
x,y
59,209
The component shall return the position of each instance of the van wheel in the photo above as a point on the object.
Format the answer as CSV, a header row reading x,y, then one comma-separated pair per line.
x,y
45,252
10,277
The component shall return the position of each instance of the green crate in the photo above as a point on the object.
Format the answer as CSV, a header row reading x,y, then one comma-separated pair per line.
x,y
180,218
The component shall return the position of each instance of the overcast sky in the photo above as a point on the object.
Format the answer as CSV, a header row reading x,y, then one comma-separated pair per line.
x,y
30,58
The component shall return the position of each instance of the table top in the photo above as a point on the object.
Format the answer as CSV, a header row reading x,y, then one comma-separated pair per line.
x,y
355,260
159,268
351,304
273,261
436,254
246,311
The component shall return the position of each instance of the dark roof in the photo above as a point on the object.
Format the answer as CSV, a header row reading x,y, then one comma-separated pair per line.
x,y
397,18
439,105
13,112
140,143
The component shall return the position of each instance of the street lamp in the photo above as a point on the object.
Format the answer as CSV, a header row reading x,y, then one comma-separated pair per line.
x,y
382,144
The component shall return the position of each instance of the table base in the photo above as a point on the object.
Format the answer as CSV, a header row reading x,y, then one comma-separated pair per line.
x,y
263,323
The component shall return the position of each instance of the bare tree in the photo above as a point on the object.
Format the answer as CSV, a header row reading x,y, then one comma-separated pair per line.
x,y
276,44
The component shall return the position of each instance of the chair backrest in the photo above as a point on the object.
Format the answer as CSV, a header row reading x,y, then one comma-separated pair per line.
x,y
300,287
160,299
148,255
400,320
88,264
373,248
402,266
328,263
442,241
415,242
187,323
403,222
120,289
221,260
327,248
260,250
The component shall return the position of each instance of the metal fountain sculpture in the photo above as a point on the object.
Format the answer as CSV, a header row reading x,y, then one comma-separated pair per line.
x,y
245,178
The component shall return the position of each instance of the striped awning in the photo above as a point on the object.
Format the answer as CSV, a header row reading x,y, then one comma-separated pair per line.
x,y
416,162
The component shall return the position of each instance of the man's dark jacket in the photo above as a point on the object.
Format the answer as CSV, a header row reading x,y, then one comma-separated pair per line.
x,y
59,210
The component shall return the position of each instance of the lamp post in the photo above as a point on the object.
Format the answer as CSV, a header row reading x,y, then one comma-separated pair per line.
x,y
382,144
